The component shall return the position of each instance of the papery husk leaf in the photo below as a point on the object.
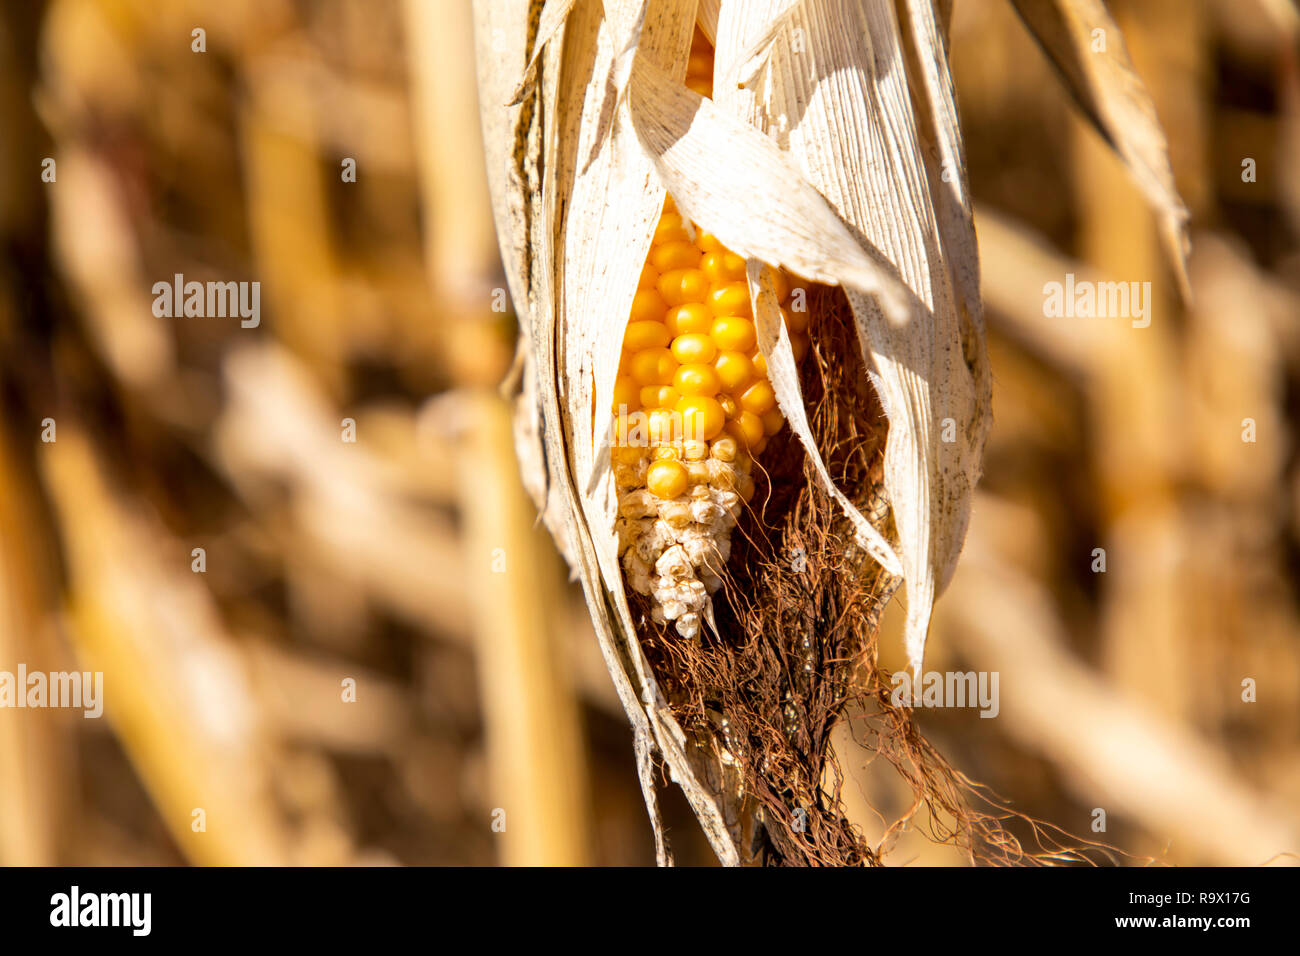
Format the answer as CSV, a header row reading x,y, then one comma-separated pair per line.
x,y
551,20
944,154
612,202
707,18
841,108
564,156
1114,98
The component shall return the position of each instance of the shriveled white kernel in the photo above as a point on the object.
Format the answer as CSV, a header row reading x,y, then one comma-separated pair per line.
x,y
638,504
675,513
705,511
731,503
695,592
674,609
655,537
697,548
627,533
638,573
673,563
721,475
625,476
676,549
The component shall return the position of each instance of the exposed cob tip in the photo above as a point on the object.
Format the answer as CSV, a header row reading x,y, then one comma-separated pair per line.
x,y
692,406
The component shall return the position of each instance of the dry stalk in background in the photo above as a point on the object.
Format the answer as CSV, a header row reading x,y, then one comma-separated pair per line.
x,y
530,710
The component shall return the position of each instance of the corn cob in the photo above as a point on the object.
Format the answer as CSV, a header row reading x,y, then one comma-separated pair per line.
x,y
692,406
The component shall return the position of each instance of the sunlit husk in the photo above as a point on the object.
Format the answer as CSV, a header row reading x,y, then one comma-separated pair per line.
x,y
828,173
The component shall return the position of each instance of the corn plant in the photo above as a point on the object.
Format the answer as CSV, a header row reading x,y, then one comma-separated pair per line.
x,y
753,383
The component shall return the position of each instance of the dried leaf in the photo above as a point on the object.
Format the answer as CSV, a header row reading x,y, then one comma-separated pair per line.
x,y
553,15
597,196
835,92
1088,49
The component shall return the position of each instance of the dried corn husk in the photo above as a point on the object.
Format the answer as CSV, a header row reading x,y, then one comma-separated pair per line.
x,y
1088,49
829,177
844,164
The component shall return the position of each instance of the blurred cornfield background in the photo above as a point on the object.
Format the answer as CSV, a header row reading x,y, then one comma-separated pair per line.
x,y
484,728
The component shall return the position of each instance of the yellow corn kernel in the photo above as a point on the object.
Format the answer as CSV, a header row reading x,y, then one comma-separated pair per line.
x,y
799,345
723,479
671,228
773,421
759,398
683,285
667,478
697,379
622,431
680,254
747,429
687,318
695,449
724,449
626,393
661,426
745,486
733,333
648,306
759,362
642,335
666,453
723,267
703,87
652,366
702,417
730,299
691,317
700,63
659,396
649,276
734,369
694,348
709,243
